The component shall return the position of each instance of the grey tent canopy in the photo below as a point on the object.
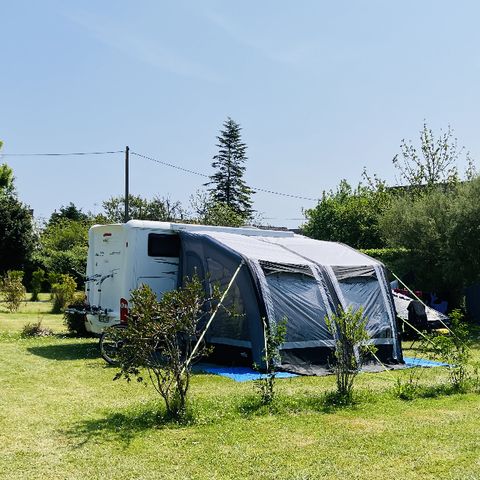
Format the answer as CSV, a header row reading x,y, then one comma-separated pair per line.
x,y
291,277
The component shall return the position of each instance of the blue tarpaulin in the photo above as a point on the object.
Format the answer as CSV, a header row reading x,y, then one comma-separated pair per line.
x,y
421,362
239,374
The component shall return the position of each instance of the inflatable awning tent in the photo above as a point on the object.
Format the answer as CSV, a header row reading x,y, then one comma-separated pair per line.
x,y
291,277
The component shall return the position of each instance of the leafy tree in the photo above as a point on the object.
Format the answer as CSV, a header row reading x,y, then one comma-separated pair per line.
x,y
70,212
6,177
159,208
63,248
207,211
440,232
434,161
349,215
227,185
17,238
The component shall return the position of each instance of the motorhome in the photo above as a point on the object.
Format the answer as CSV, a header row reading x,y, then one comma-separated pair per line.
x,y
121,257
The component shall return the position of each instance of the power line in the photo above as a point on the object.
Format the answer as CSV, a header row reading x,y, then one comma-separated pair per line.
x,y
57,154
193,172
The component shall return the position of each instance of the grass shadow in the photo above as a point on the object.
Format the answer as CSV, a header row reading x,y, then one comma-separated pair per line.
x,y
67,351
124,426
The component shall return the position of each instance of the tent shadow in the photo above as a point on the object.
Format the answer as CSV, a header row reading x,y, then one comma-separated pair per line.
x,y
121,426
67,351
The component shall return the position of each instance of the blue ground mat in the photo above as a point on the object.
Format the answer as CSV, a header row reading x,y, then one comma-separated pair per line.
x,y
421,362
245,374
239,374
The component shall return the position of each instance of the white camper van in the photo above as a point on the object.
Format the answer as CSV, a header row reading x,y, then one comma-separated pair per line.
x,y
121,257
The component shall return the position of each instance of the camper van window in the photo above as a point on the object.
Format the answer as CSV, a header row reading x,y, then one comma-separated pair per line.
x,y
161,245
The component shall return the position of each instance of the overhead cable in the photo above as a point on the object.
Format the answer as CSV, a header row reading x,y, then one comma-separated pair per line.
x,y
204,175
57,154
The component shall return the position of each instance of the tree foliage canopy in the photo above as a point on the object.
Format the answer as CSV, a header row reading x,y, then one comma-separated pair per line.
x,y
162,209
434,161
349,215
441,231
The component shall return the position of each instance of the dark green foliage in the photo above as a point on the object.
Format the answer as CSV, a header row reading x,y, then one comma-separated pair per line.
x,y
159,208
349,215
227,185
70,212
36,329
38,277
17,237
349,328
12,289
74,320
274,337
439,228
397,260
160,337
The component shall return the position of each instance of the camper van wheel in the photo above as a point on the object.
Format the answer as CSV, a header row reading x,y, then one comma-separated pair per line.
x,y
110,345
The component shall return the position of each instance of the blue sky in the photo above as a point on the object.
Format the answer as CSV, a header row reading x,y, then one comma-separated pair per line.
x,y
321,90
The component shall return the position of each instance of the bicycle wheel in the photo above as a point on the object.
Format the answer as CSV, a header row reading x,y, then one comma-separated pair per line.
x,y
110,344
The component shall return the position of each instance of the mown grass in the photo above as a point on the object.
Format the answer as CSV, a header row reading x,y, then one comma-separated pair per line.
x,y
62,417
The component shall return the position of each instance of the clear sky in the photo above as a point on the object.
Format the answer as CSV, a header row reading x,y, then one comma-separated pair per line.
x,y
321,89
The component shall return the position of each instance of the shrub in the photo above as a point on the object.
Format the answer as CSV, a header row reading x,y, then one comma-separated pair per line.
x,y
38,277
349,328
160,338
274,337
74,318
13,290
453,350
63,292
36,330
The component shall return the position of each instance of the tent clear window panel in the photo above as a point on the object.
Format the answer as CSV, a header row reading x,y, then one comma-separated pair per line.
x,y
365,292
297,297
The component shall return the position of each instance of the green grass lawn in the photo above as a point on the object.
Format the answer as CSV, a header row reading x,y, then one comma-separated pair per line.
x,y
62,417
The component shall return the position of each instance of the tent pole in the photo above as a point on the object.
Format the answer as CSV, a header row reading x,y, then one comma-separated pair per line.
x,y
195,348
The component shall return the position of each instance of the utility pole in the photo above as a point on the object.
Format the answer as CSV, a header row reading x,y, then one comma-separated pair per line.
x,y
127,150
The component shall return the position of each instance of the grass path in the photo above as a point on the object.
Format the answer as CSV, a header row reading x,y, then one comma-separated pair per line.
x,y
62,417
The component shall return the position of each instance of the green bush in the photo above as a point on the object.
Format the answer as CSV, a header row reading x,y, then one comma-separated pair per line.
x,y
75,321
38,277
63,292
13,290
453,350
161,340
349,328
397,260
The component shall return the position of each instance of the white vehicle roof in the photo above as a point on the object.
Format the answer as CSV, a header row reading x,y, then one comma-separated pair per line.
x,y
249,231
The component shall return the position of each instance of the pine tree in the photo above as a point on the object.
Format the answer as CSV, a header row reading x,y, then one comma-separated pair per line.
x,y
227,184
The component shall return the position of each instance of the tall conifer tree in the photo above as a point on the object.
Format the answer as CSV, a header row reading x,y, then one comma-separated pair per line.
x,y
227,185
